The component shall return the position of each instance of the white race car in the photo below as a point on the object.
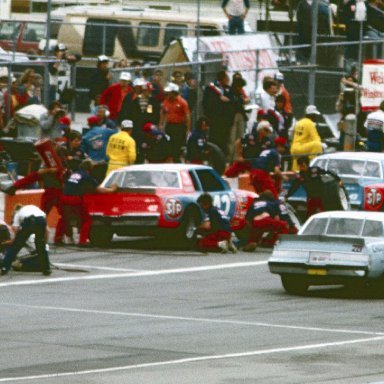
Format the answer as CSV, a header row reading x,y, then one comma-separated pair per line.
x,y
331,248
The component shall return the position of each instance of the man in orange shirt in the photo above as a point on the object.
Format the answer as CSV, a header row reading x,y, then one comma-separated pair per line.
x,y
175,119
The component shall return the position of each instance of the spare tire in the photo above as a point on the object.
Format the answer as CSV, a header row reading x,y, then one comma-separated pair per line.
x,y
216,158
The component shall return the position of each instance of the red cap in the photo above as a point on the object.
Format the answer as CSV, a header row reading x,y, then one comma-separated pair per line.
x,y
148,127
93,120
65,120
261,112
281,141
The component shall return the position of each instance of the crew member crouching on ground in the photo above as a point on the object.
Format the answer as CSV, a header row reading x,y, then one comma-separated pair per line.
x,y
263,217
28,220
216,229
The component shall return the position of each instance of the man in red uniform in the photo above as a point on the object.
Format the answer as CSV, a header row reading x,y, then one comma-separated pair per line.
x,y
175,119
76,186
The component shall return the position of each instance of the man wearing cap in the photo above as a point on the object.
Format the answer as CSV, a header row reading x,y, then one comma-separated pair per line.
x,y
175,119
100,80
306,140
121,148
95,141
140,107
156,145
279,78
114,95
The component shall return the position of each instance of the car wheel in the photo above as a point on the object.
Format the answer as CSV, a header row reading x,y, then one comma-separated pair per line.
x,y
294,284
187,229
100,236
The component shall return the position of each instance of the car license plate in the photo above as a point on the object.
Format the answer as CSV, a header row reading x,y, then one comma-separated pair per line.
x,y
319,258
317,272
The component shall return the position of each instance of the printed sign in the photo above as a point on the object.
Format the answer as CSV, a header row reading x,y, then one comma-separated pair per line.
x,y
373,84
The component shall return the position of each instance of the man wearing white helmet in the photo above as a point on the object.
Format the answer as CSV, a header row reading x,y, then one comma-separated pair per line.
x,y
175,119
100,80
114,95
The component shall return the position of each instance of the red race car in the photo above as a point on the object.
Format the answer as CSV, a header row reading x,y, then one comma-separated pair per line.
x,y
159,199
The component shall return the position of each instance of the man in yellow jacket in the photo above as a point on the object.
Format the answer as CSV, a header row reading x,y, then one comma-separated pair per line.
x,y
121,148
306,141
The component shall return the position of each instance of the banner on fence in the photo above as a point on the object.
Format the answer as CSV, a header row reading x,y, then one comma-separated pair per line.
x,y
373,84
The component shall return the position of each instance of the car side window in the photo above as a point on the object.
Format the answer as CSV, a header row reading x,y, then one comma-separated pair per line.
x,y
148,35
372,169
209,181
194,181
9,30
373,228
34,32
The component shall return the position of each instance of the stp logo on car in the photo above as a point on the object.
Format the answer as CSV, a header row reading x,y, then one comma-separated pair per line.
x,y
173,208
373,198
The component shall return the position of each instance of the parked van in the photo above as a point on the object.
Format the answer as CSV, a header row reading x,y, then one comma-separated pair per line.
x,y
140,34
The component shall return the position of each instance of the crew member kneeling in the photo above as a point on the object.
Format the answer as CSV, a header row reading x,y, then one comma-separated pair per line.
x,y
216,230
28,220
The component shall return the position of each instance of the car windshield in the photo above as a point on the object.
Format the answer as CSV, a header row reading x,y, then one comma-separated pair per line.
x,y
144,179
346,167
338,226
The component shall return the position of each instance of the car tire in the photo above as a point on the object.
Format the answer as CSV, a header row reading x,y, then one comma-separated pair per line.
x,y
295,285
100,236
186,233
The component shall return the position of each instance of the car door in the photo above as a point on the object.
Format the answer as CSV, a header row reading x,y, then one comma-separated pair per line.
x,y
223,197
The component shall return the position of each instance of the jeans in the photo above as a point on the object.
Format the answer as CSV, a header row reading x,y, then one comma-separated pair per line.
x,y
236,25
30,225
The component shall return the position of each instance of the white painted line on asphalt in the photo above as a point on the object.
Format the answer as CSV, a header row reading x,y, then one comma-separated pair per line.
x,y
193,319
133,274
194,359
65,265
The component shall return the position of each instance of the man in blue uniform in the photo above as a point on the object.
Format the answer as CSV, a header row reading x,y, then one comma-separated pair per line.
x,y
264,216
216,229
197,143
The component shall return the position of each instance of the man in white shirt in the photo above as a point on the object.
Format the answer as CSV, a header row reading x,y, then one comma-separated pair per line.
x,y
268,94
28,220
375,130
236,11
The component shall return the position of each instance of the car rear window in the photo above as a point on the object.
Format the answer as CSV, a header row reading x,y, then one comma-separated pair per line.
x,y
315,227
145,179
